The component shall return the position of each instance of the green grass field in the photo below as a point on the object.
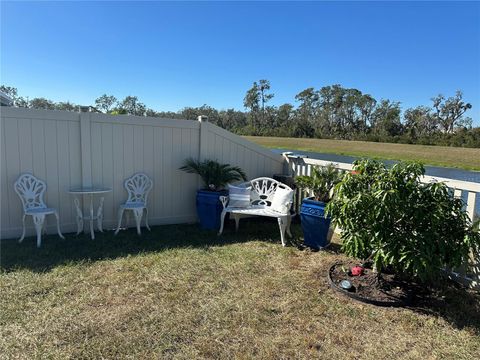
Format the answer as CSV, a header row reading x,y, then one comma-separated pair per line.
x,y
463,158
181,293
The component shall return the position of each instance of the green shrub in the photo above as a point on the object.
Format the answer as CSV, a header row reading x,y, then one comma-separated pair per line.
x,y
320,182
390,217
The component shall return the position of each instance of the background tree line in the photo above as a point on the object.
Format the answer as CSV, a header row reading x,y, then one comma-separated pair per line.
x,y
331,112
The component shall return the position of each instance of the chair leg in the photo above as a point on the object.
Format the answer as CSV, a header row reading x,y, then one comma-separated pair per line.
x,y
38,221
237,221
222,220
282,224
146,219
289,222
120,216
127,219
58,226
23,232
138,213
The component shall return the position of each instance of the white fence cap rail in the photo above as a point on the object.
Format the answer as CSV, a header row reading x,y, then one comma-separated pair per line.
x,y
452,183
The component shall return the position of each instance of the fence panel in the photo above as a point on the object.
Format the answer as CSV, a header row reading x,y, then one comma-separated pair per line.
x,y
46,144
68,149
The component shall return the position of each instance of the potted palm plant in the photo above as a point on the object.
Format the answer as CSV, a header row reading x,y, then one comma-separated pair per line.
x,y
315,224
215,177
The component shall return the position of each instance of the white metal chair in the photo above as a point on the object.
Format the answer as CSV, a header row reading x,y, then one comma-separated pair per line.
x,y
138,186
31,190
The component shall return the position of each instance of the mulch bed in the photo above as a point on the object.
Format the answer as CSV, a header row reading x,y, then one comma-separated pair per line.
x,y
383,289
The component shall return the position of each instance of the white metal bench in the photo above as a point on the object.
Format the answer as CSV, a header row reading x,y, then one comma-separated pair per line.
x,y
262,194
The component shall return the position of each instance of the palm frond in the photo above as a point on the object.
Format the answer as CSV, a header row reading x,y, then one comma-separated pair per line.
x,y
214,175
321,181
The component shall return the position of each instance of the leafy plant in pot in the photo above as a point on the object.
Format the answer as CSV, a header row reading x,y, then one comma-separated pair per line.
x,y
215,177
315,223
389,217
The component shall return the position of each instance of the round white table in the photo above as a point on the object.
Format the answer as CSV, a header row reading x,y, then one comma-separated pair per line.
x,y
90,192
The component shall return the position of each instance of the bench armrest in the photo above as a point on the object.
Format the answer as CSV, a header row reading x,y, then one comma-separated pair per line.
x,y
224,200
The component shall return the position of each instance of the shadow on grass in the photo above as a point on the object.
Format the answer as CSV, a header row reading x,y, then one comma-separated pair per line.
x,y
447,299
55,251
452,302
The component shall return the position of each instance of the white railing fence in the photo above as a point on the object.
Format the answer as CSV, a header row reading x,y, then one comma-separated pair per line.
x,y
468,191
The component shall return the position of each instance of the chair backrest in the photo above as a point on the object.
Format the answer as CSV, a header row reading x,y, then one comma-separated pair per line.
x,y
263,190
138,186
30,190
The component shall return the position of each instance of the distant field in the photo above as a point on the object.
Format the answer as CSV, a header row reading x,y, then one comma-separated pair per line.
x,y
464,158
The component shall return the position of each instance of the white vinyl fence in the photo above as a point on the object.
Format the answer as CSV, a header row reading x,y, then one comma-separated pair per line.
x,y
68,149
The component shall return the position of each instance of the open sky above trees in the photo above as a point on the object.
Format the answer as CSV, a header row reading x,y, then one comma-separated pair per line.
x,y
174,55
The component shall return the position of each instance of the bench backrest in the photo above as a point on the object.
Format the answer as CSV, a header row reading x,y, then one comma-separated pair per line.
x,y
263,190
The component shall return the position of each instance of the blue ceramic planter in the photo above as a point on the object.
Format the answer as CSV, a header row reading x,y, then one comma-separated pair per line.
x,y
314,224
209,208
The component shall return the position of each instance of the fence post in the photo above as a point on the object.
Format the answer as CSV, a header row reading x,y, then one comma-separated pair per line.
x,y
86,157
202,147
202,152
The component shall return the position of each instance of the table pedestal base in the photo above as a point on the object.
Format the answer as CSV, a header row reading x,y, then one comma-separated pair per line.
x,y
80,217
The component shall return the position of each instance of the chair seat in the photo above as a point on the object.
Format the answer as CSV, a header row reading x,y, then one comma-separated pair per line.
x,y
37,211
258,210
133,205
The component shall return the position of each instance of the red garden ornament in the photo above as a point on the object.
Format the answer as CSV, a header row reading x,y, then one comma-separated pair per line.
x,y
356,271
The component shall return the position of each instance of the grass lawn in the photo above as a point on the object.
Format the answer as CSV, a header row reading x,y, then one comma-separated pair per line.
x,y
181,293
464,158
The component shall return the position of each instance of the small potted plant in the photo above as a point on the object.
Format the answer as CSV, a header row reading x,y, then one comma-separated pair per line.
x,y
215,177
315,223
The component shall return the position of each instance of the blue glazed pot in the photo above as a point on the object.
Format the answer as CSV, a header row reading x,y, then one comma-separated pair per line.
x,y
314,224
209,208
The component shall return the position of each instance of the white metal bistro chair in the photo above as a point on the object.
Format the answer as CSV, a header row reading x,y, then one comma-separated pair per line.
x,y
31,191
138,186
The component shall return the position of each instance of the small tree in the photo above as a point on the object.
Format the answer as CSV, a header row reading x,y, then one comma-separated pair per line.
x,y
390,217
449,112
66,106
105,102
132,106
255,100
42,103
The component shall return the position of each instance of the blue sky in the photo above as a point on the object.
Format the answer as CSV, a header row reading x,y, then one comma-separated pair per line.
x,y
173,55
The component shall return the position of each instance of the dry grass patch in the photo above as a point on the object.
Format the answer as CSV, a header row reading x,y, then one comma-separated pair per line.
x,y
457,157
182,294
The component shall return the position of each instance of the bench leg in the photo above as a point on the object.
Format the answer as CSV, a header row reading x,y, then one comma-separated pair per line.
x,y
282,224
237,221
289,221
222,220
